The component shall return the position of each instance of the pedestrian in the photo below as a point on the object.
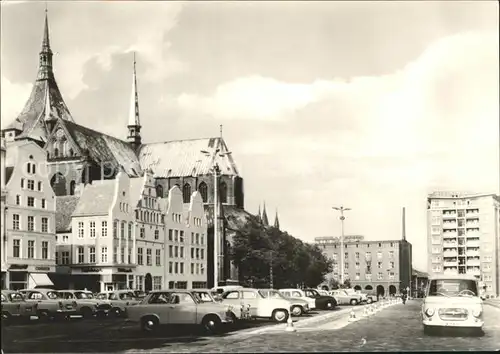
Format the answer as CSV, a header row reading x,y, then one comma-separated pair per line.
x,y
404,295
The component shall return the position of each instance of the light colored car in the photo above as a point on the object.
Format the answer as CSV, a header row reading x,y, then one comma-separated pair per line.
x,y
260,306
298,294
14,306
346,298
298,306
86,304
364,297
452,301
217,291
179,307
50,303
206,295
116,302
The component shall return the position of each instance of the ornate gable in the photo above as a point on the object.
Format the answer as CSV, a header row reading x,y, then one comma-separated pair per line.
x,y
61,145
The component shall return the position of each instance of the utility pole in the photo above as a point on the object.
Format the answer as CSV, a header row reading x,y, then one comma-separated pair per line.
x,y
271,271
342,218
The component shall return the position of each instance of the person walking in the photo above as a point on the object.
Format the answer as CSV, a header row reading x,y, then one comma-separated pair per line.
x,y
404,295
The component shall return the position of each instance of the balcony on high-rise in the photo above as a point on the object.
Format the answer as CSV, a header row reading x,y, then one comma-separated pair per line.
x,y
473,243
449,225
473,262
449,214
450,244
450,263
474,271
450,253
472,252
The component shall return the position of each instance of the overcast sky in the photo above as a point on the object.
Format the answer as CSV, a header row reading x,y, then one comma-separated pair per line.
x,y
370,105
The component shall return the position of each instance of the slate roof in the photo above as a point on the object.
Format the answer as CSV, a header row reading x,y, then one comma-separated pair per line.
x,y
184,158
31,120
65,206
236,218
106,149
96,198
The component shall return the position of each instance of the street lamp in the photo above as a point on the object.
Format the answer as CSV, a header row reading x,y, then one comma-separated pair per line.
x,y
216,171
342,218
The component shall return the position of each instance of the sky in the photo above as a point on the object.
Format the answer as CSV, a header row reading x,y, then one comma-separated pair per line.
x,y
370,105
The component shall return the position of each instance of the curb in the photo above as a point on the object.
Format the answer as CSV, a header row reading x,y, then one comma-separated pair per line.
x,y
299,323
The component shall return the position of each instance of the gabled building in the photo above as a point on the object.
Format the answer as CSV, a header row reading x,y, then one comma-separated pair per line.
x,y
77,154
123,236
29,218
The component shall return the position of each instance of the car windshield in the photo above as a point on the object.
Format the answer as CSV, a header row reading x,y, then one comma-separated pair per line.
x,y
54,295
271,294
83,295
126,296
16,297
452,287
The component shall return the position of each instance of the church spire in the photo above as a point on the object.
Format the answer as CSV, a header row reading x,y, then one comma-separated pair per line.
x,y
45,56
276,220
134,124
265,221
259,217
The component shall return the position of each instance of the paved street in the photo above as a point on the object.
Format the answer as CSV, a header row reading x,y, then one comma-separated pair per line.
x,y
116,335
396,328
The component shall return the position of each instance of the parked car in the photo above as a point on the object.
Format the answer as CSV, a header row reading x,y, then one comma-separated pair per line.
x,y
217,291
206,295
364,297
115,302
452,301
139,294
298,294
51,305
260,306
86,304
14,306
345,298
323,302
179,307
298,306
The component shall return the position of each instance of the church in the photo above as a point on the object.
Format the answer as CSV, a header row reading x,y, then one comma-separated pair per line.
x,y
79,155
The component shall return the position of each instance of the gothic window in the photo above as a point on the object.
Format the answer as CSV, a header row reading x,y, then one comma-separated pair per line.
x,y
186,193
71,152
56,152
223,192
72,188
203,189
159,191
58,184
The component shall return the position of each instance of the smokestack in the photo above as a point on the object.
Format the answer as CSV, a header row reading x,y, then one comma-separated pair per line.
x,y
404,224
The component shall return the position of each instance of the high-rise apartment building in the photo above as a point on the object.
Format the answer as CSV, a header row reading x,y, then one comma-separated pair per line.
x,y
381,267
463,231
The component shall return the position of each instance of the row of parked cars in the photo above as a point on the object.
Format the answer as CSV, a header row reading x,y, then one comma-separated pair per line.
x,y
209,308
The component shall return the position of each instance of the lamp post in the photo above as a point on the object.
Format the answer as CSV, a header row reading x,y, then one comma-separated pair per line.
x,y
342,218
216,171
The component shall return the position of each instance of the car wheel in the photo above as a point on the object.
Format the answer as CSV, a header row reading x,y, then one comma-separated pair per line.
x,y
212,324
115,312
149,324
6,317
87,312
369,300
297,311
329,305
280,315
43,316
354,302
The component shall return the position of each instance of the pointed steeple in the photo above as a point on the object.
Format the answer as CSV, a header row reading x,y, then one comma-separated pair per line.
x,y
265,221
45,56
259,217
276,220
134,124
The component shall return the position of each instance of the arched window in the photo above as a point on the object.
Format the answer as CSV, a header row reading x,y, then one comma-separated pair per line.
x,y
72,188
223,192
58,184
71,152
56,152
203,189
159,191
186,193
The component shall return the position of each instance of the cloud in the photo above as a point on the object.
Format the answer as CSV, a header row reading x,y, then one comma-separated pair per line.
x,y
13,98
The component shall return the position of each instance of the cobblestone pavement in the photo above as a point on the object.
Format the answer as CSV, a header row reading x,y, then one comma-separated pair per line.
x,y
117,335
396,328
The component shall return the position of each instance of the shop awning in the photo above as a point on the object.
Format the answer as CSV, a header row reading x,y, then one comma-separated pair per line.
x,y
39,280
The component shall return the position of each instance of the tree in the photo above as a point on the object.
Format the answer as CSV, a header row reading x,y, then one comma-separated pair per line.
x,y
256,249
347,284
333,283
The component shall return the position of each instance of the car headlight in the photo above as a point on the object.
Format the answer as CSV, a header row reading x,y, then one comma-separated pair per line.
x,y
429,312
477,312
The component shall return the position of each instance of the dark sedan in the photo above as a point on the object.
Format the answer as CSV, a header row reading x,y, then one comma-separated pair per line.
x,y
323,302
